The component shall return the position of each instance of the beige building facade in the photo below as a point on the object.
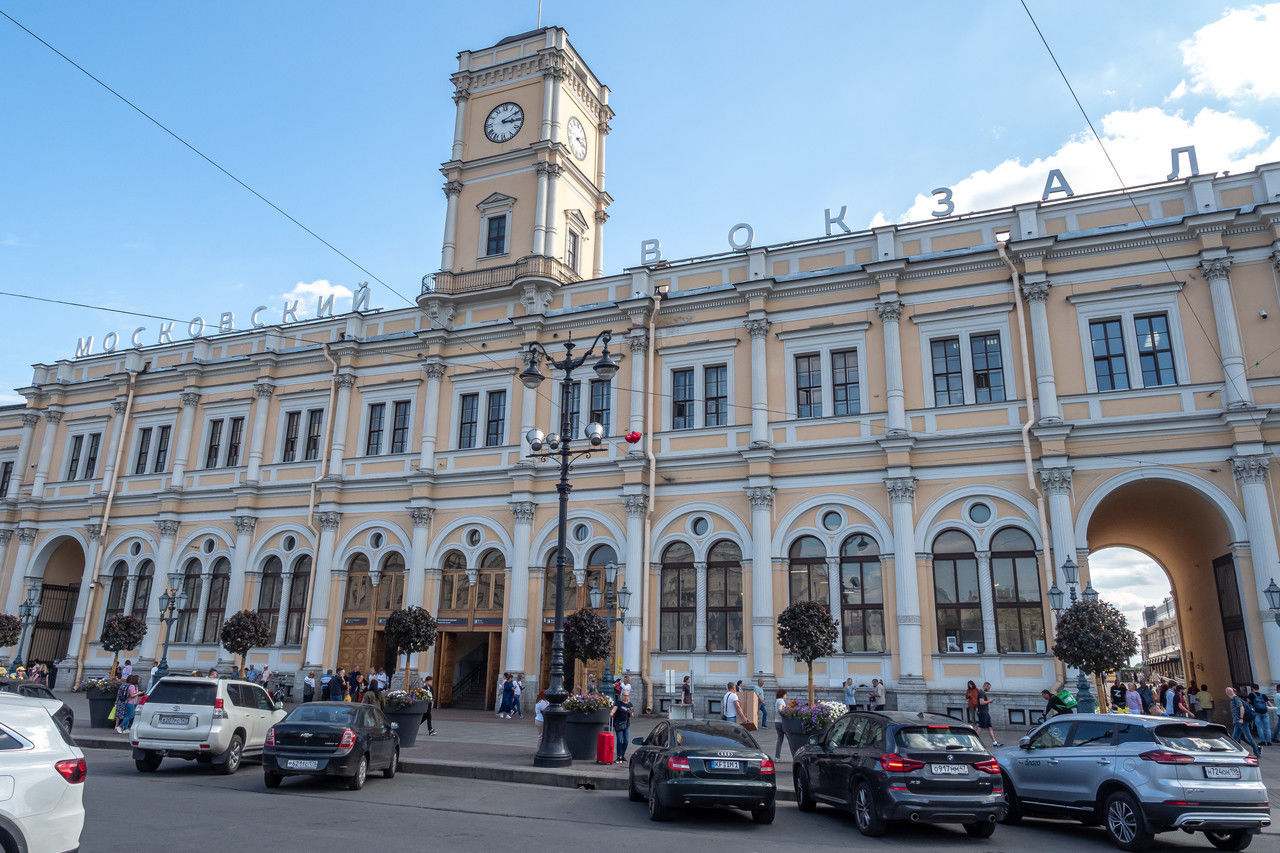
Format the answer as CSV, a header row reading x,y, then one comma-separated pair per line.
x,y
918,424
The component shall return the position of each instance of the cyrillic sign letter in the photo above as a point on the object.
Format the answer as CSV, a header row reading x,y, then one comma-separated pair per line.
x,y
1190,151
166,334
84,346
360,302
290,312
258,324
136,340
650,251
838,219
746,243
196,327
109,341
947,205
324,306
227,322
1056,183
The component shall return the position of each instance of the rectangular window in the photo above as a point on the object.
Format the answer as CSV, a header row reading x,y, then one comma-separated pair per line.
x,y
600,393
1015,579
862,604
572,242
73,466
1107,339
467,421
215,444
678,610
315,418
715,399
234,440
809,386
162,449
495,422
91,456
6,475
144,449
988,368
724,608
682,398
400,426
496,236
948,379
291,421
844,382
1155,350
373,439
571,402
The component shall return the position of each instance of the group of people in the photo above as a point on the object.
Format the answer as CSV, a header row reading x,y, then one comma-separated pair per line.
x,y
1251,713
872,697
39,672
1164,698
509,690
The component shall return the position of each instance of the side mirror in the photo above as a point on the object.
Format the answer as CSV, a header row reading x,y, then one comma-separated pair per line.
x,y
814,740
637,741
1025,743
395,726
279,706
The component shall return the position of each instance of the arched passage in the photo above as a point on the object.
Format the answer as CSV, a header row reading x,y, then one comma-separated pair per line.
x,y
59,589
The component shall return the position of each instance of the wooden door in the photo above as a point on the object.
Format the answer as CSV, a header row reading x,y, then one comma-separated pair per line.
x,y
1224,572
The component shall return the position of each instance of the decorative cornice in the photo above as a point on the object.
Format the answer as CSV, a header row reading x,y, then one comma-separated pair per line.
x,y
461,93
190,398
1216,268
604,128
263,389
554,170
901,490
30,418
1035,291
889,311
329,520
452,188
167,527
5,535
27,535
761,497
554,72
636,505
244,523
1250,469
421,515
522,510
757,327
1056,481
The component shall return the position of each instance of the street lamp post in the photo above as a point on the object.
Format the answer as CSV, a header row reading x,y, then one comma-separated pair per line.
x,y
623,597
1273,600
172,600
1071,574
552,751
28,610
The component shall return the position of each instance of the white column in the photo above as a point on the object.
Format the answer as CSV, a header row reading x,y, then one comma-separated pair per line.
x,y
597,251
540,210
282,617
1037,295
1237,393
319,617
552,217
460,96
51,416
762,613
450,246
159,582
339,415
6,534
115,429
1251,474
987,603
700,605
902,492
833,600
239,561
1056,483
758,328
417,568
183,429
889,311
548,90
638,342
26,539
262,392
91,531
518,612
556,74
434,368
206,582
29,420
633,624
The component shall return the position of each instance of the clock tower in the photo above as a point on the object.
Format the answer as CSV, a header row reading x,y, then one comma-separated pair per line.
x,y
525,180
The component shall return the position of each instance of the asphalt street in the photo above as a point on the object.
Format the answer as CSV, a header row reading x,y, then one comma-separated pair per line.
x,y
183,807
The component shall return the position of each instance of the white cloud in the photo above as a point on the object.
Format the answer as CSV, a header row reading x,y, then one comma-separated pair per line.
x,y
1236,56
13,241
1128,579
309,294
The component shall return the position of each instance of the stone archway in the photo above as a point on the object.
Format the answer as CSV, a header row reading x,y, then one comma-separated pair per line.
x,y
59,590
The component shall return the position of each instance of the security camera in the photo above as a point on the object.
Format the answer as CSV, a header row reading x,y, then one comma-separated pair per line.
x,y
1262,314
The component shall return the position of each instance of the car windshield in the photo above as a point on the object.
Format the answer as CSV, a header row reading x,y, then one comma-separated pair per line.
x,y
320,714
1195,738
183,693
721,738
949,738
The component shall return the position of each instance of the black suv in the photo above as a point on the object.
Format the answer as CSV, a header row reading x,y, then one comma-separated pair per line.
x,y
894,765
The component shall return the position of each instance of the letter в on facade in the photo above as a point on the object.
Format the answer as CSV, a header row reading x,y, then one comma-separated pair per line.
x,y
227,322
1176,168
838,219
360,302
744,244
1056,183
948,206
650,251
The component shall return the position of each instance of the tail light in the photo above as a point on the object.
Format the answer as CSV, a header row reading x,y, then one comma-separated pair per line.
x,y
72,769
1251,760
219,710
142,700
1167,756
894,763
348,739
989,766
271,738
675,763
766,767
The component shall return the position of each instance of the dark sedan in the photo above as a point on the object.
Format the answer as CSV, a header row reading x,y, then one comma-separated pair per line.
x,y
703,764
331,739
36,690
897,766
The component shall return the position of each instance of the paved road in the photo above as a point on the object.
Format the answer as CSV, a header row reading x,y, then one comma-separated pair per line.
x,y
184,808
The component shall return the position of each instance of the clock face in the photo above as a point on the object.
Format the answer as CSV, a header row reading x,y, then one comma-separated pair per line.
x,y
577,138
504,122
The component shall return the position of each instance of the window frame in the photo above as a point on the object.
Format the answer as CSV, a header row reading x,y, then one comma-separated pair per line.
x,y
156,456
825,342
480,384
728,609
219,587
82,461
302,405
808,564
685,572
466,440
847,563
6,477
1126,302
939,607
966,324
1017,605
603,414
698,356
495,428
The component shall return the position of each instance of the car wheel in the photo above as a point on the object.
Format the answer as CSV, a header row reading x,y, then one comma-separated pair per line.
x,y
764,815
800,781
1235,840
633,793
356,781
657,811
235,753
865,814
981,829
1125,823
272,780
9,844
390,772
149,763
1013,808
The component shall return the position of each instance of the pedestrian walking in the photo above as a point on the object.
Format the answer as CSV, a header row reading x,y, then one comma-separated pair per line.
x,y
984,712
429,686
758,689
373,695
1117,695
1133,699
626,686
538,707
1181,708
971,703
508,696
126,670
309,687
1242,721
686,692
1261,719
1206,703
730,704
517,688
850,697
780,702
620,715
127,703
877,694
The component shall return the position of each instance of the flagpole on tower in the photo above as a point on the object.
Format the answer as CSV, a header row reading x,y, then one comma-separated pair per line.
x,y
539,14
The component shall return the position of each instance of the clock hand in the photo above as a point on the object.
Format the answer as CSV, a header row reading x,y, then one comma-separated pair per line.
x,y
511,120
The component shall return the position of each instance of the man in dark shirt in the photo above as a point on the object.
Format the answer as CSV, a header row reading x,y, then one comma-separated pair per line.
x,y
1053,706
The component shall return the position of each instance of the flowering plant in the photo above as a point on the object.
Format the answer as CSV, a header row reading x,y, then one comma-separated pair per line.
x,y
105,684
397,699
587,703
816,717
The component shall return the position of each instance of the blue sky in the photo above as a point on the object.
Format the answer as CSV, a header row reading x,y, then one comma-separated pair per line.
x,y
726,112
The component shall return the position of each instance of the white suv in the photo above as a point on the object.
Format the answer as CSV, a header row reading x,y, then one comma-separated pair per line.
x,y
211,720
41,771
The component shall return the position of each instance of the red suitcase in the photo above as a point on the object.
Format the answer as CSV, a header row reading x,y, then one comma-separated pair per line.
x,y
606,748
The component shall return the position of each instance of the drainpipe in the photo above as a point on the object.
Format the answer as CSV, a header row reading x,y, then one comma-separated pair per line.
x,y
311,501
651,357
95,585
1047,551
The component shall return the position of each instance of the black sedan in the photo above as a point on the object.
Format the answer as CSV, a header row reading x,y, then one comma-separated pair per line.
x,y
36,690
898,766
703,764
331,739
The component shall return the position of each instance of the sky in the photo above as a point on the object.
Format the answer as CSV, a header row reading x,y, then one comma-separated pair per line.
x,y
727,112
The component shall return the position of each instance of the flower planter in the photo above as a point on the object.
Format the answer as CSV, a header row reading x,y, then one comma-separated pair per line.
x,y
580,731
408,720
793,728
100,704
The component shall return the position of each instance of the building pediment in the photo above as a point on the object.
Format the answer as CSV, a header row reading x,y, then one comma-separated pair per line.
x,y
496,201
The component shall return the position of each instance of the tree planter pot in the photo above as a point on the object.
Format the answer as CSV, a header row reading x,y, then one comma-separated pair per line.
x,y
793,728
100,704
580,732
408,720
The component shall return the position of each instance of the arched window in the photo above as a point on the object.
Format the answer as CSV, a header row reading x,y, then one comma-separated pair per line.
x,y
359,586
600,557
142,591
118,589
189,613
724,598
217,609
298,600
455,592
807,570
1015,581
678,602
269,590
861,594
391,582
955,592
570,583
491,581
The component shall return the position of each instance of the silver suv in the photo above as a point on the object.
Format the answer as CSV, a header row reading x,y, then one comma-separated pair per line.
x,y
210,720
1137,775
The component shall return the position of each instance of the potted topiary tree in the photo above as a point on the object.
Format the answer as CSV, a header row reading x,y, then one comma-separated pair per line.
x,y
244,631
119,633
1093,637
408,631
586,638
807,632
10,629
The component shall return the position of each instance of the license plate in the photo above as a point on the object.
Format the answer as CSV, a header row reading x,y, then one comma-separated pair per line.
x,y
1222,773
949,769
726,765
295,764
174,720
